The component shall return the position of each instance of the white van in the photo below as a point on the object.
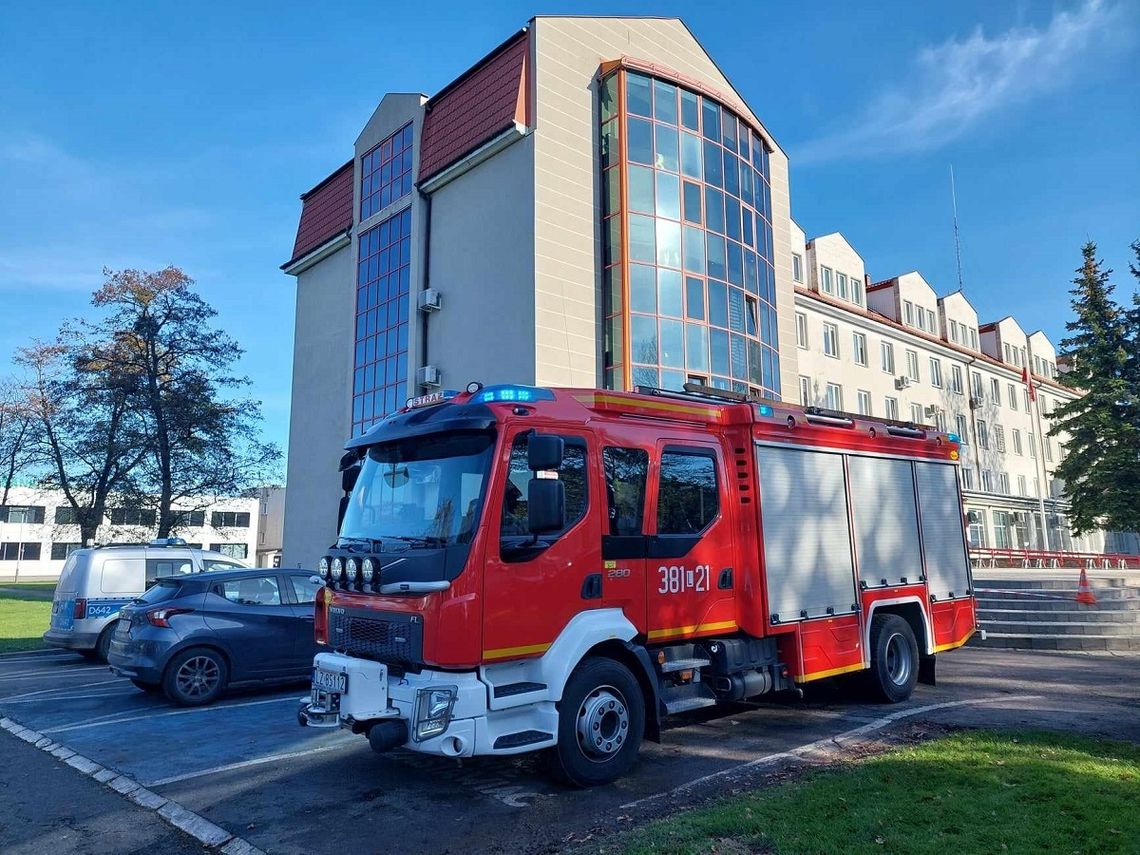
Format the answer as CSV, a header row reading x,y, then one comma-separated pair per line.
x,y
95,583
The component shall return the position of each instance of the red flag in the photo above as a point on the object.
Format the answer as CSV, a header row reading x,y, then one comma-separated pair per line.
x,y
1029,384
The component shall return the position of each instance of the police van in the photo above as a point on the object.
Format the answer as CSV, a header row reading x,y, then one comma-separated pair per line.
x,y
95,583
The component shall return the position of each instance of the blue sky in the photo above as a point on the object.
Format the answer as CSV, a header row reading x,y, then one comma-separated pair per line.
x,y
146,134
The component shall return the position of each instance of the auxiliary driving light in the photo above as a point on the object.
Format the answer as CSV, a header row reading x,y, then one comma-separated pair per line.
x,y
351,571
338,570
368,570
323,568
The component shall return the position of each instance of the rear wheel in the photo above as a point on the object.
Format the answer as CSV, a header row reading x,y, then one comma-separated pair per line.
x,y
195,677
601,720
894,658
103,645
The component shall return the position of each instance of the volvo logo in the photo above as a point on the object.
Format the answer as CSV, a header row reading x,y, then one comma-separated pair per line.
x,y
337,610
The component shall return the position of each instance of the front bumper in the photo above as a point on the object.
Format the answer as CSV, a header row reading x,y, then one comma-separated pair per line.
x,y
373,696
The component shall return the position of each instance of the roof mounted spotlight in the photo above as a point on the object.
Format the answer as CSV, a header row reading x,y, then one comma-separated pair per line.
x,y
473,387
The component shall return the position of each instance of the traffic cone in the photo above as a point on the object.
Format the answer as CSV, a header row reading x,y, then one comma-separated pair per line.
x,y
1084,592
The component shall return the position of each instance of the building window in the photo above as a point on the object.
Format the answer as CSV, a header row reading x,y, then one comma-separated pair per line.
x,y
831,340
973,339
834,396
976,385
1002,538
1011,394
1022,489
920,318
1049,450
963,429
977,532
857,291
797,267
916,413
859,348
940,419
229,519
987,481
912,365
232,550
190,519
864,399
891,409
995,391
931,324
908,313
688,282
133,516
801,330
1032,445
60,551
380,374
887,355
956,379
67,515
1017,442
983,435
805,391
967,478
22,514
17,551
935,372
999,438
1003,483
841,285
953,330
386,173
825,280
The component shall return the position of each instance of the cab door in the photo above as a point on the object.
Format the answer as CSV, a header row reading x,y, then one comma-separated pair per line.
x,y
689,567
532,587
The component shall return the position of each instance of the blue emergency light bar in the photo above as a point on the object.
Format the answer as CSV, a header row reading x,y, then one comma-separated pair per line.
x,y
512,395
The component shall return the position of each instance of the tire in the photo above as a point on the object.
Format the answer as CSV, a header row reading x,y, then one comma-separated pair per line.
x,y
601,721
195,677
894,659
103,645
149,688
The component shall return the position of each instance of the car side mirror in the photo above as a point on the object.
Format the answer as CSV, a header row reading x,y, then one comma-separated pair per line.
x,y
544,452
546,505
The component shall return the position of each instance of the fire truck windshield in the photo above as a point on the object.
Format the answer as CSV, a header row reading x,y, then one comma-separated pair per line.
x,y
425,491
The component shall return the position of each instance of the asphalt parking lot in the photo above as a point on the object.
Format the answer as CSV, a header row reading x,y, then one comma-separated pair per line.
x,y
246,765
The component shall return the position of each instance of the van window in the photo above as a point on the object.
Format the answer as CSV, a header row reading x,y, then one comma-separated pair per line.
x,y
687,498
67,576
214,564
122,576
163,568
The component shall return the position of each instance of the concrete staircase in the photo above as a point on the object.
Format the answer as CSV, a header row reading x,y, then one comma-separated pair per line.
x,y
1037,610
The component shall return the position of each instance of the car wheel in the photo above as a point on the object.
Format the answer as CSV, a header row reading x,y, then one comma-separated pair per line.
x,y
195,677
894,658
149,688
103,645
601,721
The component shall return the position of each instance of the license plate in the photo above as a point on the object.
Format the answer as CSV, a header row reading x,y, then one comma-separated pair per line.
x,y
330,681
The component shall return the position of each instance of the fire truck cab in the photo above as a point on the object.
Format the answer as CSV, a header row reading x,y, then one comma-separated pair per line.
x,y
522,568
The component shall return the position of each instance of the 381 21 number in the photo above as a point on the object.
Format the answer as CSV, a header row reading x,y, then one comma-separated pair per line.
x,y
678,580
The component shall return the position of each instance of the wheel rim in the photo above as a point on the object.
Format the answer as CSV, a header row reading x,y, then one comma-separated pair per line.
x,y
899,661
603,723
198,677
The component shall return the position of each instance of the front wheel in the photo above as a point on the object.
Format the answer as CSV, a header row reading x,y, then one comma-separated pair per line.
x,y
601,720
894,658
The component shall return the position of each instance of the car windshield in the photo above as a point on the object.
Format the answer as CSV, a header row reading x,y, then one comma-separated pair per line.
x,y
424,491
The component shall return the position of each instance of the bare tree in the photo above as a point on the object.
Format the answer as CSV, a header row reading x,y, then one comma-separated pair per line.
x,y
16,426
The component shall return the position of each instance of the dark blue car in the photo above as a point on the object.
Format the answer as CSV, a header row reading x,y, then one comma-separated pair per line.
x,y
192,636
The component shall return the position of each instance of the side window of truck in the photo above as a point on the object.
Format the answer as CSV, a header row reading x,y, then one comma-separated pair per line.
x,y
572,474
687,497
626,470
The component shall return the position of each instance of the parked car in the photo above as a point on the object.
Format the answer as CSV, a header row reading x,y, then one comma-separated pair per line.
x,y
193,636
95,583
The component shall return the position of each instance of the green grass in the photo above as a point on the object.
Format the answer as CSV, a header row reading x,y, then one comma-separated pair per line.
x,y
28,590
978,791
22,623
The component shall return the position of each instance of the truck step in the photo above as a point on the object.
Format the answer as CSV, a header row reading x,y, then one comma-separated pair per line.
x,y
675,665
523,737
685,704
510,689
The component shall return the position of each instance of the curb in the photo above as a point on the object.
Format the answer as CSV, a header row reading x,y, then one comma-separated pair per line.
x,y
211,836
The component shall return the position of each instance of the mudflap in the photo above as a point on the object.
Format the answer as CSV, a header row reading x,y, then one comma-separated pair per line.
x,y
926,670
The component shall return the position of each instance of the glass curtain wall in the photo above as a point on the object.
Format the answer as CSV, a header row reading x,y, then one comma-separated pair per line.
x,y
689,283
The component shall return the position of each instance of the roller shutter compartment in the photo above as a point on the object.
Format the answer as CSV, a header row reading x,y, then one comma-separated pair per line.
x,y
947,567
886,520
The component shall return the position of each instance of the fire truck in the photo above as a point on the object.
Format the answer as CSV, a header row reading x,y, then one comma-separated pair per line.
x,y
522,569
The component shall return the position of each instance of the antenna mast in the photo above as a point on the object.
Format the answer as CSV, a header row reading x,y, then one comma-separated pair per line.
x,y
957,239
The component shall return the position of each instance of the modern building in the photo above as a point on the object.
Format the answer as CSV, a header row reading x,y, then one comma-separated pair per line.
x,y
896,349
591,204
270,525
38,530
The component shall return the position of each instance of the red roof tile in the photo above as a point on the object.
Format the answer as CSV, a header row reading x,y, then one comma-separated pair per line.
x,y
325,213
478,106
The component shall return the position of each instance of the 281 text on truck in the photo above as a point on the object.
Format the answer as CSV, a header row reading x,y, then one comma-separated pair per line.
x,y
559,569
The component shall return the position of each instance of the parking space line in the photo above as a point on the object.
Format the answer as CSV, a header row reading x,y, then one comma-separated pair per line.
x,y
109,693
54,672
799,752
126,719
257,761
59,689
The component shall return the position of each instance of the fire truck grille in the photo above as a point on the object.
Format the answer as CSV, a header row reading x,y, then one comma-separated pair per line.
x,y
384,636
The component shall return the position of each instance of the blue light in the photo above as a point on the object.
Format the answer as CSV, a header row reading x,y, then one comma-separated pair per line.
x,y
765,410
512,394
954,437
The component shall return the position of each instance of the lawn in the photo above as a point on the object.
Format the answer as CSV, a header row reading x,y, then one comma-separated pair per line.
x,y
28,590
22,622
980,791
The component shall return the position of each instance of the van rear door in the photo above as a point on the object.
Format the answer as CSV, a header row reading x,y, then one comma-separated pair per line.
x,y
66,591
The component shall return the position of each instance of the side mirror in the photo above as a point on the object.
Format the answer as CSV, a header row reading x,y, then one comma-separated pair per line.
x,y
544,452
348,478
546,505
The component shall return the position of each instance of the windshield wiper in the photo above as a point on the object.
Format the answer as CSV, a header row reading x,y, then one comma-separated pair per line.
x,y
371,544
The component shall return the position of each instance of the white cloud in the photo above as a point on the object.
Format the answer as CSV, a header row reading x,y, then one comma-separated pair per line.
x,y
957,84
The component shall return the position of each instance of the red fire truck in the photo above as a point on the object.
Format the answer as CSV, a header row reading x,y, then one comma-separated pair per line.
x,y
521,568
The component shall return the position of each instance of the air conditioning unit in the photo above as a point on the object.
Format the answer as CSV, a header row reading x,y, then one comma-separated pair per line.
x,y
975,403
428,377
430,300
902,382
931,411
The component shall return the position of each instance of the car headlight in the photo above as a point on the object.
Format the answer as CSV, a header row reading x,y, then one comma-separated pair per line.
x,y
323,568
368,570
351,570
337,570
433,711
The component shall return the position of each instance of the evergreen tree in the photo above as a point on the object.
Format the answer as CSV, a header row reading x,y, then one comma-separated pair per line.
x,y
1101,470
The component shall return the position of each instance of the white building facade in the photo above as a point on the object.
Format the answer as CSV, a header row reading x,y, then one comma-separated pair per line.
x,y
38,532
895,349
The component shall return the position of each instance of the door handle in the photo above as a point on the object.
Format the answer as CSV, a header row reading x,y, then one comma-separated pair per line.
x,y
724,581
592,587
